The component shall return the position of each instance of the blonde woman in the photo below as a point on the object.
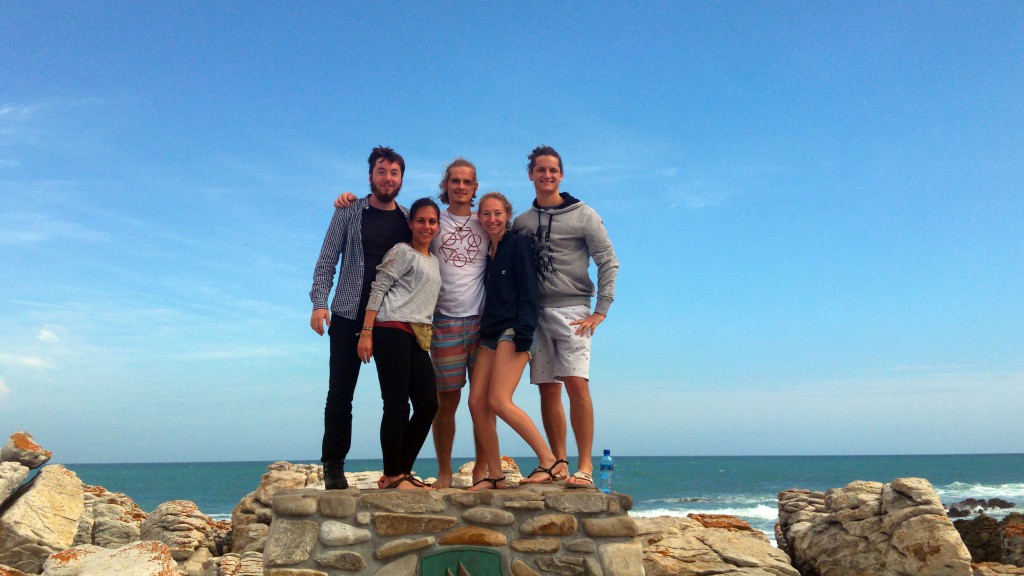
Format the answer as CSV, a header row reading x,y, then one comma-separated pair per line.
x,y
506,340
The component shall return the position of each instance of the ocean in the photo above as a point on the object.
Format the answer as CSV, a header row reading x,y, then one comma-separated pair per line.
x,y
742,486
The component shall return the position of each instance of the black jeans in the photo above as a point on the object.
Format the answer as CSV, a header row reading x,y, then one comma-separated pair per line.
x,y
344,335
405,375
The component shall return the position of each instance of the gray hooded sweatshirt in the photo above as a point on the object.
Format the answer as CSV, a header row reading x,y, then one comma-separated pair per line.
x,y
565,238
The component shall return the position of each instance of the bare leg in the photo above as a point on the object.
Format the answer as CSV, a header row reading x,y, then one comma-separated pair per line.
x,y
444,435
553,415
508,367
484,427
480,463
581,414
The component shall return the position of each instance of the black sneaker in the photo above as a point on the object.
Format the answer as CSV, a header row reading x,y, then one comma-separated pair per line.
x,y
334,476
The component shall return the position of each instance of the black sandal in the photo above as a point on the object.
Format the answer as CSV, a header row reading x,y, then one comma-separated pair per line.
x,y
552,476
493,481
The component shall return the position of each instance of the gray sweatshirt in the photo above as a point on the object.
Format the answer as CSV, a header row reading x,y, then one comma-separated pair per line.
x,y
565,238
406,287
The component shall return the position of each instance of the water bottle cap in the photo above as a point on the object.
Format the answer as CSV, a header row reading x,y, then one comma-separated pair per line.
x,y
607,452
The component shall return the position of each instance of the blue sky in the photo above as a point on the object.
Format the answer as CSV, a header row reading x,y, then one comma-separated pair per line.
x,y
817,209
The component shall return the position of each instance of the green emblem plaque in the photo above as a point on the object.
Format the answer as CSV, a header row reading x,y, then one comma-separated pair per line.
x,y
462,561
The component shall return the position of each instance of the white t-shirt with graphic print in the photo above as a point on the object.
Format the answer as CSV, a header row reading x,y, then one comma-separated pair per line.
x,y
461,248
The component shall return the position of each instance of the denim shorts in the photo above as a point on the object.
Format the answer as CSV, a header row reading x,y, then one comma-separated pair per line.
x,y
506,336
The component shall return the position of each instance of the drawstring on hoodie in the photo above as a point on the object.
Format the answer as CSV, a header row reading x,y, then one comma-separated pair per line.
x,y
547,235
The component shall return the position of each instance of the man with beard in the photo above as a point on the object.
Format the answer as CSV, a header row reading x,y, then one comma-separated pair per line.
x,y
461,248
361,234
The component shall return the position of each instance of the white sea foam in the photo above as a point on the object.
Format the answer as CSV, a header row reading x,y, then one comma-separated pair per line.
x,y
723,499
961,490
757,514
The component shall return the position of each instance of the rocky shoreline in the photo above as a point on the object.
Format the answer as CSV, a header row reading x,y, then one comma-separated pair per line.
x,y
55,525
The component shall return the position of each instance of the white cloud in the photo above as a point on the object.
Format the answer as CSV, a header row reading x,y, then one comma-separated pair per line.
x,y
694,197
26,361
24,228
47,335
4,391
33,362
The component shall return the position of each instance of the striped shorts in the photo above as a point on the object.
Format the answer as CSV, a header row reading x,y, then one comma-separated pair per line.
x,y
453,350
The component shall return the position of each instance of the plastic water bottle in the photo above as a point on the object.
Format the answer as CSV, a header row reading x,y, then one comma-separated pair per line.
x,y
607,467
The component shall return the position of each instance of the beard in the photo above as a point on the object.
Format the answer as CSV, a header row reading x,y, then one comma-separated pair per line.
x,y
384,197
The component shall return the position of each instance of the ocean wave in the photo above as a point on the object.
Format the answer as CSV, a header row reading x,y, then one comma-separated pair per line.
x,y
741,499
757,514
961,490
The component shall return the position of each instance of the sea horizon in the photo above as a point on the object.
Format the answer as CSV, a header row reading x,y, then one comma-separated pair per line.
x,y
571,457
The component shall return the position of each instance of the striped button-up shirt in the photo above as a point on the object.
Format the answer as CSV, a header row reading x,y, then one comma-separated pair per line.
x,y
344,239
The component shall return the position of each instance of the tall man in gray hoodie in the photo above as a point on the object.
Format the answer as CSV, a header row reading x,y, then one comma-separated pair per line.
x,y
566,234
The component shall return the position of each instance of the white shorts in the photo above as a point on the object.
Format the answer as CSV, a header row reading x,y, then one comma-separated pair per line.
x,y
560,352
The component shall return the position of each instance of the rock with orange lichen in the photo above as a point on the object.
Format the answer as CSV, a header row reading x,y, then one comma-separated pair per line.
x,y
232,564
22,448
12,474
1013,543
136,559
991,540
996,569
8,571
724,521
41,519
684,546
675,546
110,519
183,528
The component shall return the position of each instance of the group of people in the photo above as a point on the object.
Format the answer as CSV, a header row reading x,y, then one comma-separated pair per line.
x,y
438,295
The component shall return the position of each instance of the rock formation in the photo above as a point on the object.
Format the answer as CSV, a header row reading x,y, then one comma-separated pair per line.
x,y
972,506
708,544
991,540
109,519
42,519
12,474
189,535
891,529
21,447
138,559
995,569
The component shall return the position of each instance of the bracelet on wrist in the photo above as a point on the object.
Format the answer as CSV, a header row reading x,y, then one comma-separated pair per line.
x,y
367,329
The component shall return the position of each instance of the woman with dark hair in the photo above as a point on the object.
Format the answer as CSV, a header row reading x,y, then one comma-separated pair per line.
x,y
397,331
506,344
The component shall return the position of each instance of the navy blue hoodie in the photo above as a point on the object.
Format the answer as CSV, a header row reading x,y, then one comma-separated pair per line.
x,y
511,285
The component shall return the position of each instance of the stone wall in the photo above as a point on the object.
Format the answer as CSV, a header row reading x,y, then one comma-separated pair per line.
x,y
528,530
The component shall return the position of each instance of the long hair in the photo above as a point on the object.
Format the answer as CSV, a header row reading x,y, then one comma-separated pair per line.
x,y
459,162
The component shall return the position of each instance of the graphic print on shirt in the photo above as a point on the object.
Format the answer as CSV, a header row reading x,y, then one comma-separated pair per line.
x,y
460,247
542,260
